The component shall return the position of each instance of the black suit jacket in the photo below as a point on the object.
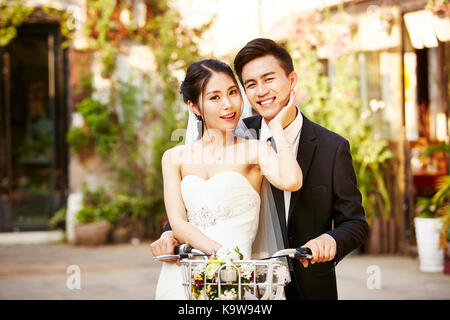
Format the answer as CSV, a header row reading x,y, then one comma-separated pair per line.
x,y
328,202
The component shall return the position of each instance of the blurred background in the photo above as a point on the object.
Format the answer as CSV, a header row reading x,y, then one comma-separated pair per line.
x,y
89,101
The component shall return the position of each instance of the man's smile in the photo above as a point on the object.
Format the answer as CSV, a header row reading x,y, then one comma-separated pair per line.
x,y
266,101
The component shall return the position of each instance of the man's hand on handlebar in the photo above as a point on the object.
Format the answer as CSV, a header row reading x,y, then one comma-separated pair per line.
x,y
165,245
323,249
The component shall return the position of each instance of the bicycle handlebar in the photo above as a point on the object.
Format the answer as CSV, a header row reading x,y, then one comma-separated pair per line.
x,y
299,253
183,251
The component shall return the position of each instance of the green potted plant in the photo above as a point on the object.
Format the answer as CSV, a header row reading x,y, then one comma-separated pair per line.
x,y
123,227
95,218
432,223
80,141
92,229
444,215
445,240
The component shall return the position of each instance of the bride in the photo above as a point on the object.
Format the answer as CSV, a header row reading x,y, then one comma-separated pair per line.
x,y
212,186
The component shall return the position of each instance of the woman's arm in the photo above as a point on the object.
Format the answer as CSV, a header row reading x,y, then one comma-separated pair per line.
x,y
281,168
182,230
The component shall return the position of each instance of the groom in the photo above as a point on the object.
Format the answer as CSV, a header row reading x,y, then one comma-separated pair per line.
x,y
326,214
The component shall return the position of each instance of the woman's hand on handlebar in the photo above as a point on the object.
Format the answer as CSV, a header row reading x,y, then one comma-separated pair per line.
x,y
165,245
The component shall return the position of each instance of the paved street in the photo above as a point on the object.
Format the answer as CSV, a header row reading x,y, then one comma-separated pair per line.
x,y
400,278
128,272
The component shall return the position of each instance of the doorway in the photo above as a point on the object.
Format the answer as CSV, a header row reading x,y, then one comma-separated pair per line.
x,y
34,156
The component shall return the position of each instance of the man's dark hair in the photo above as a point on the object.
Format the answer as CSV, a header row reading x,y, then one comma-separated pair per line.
x,y
261,47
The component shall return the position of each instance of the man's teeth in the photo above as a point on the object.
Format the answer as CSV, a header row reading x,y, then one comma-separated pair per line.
x,y
267,101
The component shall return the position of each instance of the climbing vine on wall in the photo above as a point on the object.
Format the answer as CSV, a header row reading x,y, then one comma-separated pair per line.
x,y
113,132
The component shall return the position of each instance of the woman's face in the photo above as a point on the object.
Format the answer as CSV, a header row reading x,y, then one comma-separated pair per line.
x,y
221,103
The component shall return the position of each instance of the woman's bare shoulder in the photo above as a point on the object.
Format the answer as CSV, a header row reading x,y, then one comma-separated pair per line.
x,y
174,154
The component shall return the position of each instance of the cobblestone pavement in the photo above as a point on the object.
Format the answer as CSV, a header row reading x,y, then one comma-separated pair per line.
x,y
128,272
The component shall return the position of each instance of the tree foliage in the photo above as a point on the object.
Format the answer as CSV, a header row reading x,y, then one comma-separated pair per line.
x,y
331,98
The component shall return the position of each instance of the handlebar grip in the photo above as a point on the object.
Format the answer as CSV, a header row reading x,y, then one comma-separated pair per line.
x,y
303,253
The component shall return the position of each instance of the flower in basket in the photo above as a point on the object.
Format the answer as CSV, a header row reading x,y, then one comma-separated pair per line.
x,y
227,254
229,295
246,271
212,269
205,276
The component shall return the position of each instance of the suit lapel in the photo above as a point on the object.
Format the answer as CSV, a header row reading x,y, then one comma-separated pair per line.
x,y
253,125
306,149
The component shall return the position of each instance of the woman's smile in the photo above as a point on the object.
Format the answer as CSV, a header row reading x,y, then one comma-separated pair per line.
x,y
229,117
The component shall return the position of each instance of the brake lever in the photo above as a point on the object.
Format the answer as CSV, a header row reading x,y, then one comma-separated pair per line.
x,y
181,252
166,257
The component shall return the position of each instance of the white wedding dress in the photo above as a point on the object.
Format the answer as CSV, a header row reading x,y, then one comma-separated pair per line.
x,y
225,208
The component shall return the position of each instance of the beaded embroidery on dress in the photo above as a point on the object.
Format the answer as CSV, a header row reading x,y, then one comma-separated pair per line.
x,y
225,208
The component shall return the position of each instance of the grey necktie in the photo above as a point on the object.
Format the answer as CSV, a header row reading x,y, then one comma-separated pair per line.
x,y
279,196
272,143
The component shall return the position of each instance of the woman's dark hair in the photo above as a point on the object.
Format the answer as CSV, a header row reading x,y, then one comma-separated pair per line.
x,y
262,47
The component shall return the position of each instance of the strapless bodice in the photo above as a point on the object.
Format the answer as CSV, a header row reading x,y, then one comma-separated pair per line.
x,y
224,207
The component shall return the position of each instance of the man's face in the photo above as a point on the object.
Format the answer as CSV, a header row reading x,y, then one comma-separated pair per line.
x,y
266,85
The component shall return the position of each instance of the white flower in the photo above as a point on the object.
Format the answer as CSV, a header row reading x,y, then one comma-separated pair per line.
x,y
211,270
282,274
227,254
246,270
198,269
203,295
229,295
